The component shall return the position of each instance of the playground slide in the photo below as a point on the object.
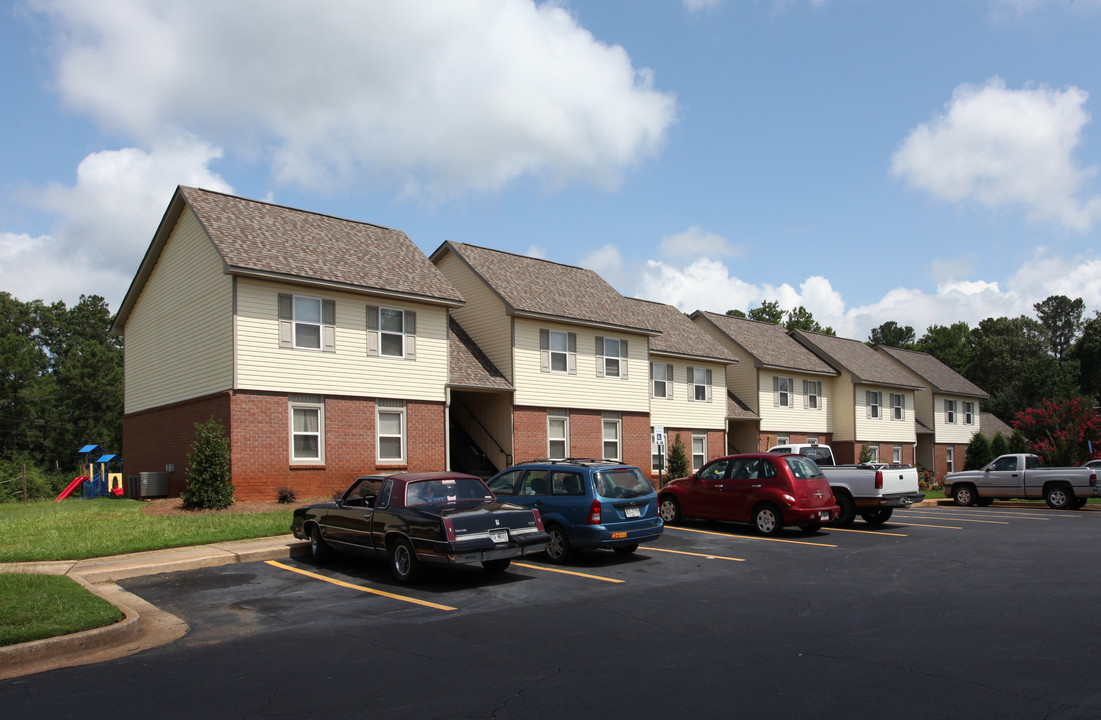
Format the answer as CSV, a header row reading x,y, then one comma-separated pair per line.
x,y
72,486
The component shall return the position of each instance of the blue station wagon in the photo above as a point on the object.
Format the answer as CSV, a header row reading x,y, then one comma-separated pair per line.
x,y
584,503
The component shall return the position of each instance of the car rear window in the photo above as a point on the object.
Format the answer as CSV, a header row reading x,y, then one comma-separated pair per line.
x,y
803,468
430,492
624,482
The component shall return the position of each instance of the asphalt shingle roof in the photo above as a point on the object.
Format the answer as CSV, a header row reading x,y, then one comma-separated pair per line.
x,y
866,365
738,410
770,345
679,335
989,425
468,366
939,376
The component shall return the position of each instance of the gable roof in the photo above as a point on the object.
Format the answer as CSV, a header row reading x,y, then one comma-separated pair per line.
x,y
468,366
990,424
769,345
738,410
536,288
679,336
866,365
273,242
940,377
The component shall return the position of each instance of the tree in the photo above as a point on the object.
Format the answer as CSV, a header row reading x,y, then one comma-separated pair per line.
x,y
1011,362
978,453
1087,351
1061,431
999,445
1062,318
678,458
1017,442
952,345
891,334
24,387
800,318
768,311
208,479
865,454
735,313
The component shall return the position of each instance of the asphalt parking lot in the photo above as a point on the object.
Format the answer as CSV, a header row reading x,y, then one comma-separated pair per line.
x,y
942,612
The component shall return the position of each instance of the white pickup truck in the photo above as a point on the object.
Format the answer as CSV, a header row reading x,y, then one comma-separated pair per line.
x,y
1019,475
872,489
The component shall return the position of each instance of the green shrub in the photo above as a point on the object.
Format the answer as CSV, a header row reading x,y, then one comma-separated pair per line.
x,y
678,459
978,453
998,445
865,453
41,484
208,482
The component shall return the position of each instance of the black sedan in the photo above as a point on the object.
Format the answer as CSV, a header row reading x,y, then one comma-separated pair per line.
x,y
424,517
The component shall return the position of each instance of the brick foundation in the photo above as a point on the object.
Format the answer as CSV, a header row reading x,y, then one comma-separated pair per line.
x,y
529,431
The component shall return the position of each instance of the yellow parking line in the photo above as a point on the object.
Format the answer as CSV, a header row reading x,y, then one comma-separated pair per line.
x,y
341,583
749,537
946,527
564,572
709,557
985,522
870,532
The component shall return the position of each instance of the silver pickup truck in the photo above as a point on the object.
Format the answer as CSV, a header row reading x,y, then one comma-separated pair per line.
x,y
1019,475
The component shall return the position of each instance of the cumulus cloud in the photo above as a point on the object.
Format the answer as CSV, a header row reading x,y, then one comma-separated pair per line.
x,y
433,98
695,242
1006,148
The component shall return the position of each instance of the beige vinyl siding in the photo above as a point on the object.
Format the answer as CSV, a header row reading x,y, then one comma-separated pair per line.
x,y
741,379
483,317
842,396
883,429
679,411
263,365
959,432
584,389
795,418
923,407
179,336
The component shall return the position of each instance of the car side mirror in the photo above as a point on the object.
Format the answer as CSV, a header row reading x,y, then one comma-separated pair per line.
x,y
369,501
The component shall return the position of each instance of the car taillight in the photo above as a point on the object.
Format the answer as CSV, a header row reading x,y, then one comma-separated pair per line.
x,y
449,528
878,479
538,519
594,513
1093,479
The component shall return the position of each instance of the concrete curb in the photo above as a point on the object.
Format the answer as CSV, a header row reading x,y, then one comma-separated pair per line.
x,y
143,625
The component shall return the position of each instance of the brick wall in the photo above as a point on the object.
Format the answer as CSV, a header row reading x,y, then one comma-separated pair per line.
x,y
586,439
940,459
767,440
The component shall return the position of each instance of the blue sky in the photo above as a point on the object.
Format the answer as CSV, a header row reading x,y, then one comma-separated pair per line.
x,y
873,160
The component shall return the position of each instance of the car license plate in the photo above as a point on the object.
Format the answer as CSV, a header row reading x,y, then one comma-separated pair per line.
x,y
632,511
826,515
498,536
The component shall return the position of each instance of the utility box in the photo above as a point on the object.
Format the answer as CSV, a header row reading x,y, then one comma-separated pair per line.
x,y
152,484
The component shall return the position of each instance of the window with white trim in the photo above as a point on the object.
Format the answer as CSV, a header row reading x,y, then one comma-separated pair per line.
x,y
391,332
611,428
968,412
812,439
307,323
557,352
896,454
661,375
390,424
307,429
699,380
611,357
898,406
874,448
950,458
812,394
558,434
873,400
950,412
782,440
781,391
699,451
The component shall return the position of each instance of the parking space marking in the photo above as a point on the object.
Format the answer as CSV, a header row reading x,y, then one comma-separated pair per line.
x,y
1023,515
341,583
945,527
750,537
565,572
869,532
703,555
959,519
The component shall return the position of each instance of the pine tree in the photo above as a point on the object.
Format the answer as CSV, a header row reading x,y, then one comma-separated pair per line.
x,y
208,481
678,459
978,453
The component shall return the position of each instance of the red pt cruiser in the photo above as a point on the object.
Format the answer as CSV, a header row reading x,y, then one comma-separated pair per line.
x,y
767,490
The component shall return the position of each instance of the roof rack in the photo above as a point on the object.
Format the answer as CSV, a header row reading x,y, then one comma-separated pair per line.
x,y
570,461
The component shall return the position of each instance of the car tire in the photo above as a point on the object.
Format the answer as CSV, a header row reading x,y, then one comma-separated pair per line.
x,y
558,547
963,495
811,528
767,519
669,510
1059,497
495,567
846,512
403,561
878,516
984,501
626,549
1079,503
319,549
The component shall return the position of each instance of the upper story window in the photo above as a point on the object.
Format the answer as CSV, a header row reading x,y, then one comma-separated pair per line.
x,y
781,391
950,412
611,357
391,332
874,401
661,376
307,323
557,352
699,381
898,406
812,394
968,412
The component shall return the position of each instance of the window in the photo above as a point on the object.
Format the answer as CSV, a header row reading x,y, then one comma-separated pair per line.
x,y
898,406
812,439
950,412
950,457
699,451
874,449
611,429
558,434
782,440
611,357
873,400
391,430
661,375
812,394
307,429
781,391
699,384
968,412
896,454
391,332
557,352
307,323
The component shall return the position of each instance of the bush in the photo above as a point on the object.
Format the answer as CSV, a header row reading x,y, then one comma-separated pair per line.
x,y
678,459
998,445
41,484
978,453
208,481
285,495
865,454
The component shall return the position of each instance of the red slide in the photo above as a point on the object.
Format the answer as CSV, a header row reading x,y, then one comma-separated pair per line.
x,y
72,486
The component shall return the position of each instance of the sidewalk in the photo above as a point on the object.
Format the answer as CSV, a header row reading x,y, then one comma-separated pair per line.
x,y
143,626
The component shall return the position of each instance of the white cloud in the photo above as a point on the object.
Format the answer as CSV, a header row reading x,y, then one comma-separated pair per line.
x,y
1005,148
698,5
537,251
607,262
433,97
104,222
695,242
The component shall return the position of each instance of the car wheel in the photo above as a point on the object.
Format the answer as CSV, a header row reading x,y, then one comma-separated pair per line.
x,y
877,516
846,512
963,495
319,549
984,502
1079,503
558,549
496,566
669,509
1059,497
626,549
811,528
768,520
403,561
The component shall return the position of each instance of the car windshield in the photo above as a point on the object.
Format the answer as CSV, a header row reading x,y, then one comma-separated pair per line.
x,y
625,482
802,468
428,492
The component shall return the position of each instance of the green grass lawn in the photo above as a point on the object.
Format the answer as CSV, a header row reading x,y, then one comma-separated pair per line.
x,y
33,607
